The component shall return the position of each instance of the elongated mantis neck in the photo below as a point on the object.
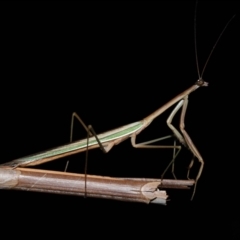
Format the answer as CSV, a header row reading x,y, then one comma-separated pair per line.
x,y
179,97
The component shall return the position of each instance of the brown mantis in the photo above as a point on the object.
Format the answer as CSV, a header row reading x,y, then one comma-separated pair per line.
x,y
113,137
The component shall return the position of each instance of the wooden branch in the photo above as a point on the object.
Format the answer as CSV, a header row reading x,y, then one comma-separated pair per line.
x,y
124,189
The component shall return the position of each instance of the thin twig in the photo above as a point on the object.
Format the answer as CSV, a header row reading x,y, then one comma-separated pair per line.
x,y
123,189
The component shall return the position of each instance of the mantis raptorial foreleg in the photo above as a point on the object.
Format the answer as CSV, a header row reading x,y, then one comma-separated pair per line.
x,y
169,123
185,139
177,134
190,143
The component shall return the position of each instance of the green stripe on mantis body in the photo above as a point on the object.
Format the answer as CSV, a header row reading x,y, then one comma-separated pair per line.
x,y
104,137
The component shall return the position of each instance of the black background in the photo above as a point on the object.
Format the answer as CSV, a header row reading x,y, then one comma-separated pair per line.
x,y
115,63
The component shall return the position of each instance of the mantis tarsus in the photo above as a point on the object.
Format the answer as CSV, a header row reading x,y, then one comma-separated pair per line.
x,y
116,136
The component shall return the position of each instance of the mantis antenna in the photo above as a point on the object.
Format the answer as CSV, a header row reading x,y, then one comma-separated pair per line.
x,y
195,42
200,75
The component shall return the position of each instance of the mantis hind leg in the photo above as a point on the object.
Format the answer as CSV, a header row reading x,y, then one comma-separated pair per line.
x,y
90,132
146,145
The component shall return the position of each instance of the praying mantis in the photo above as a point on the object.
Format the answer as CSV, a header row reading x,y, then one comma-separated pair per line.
x,y
116,136
111,138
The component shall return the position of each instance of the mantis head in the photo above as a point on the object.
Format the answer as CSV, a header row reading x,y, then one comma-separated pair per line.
x,y
201,83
